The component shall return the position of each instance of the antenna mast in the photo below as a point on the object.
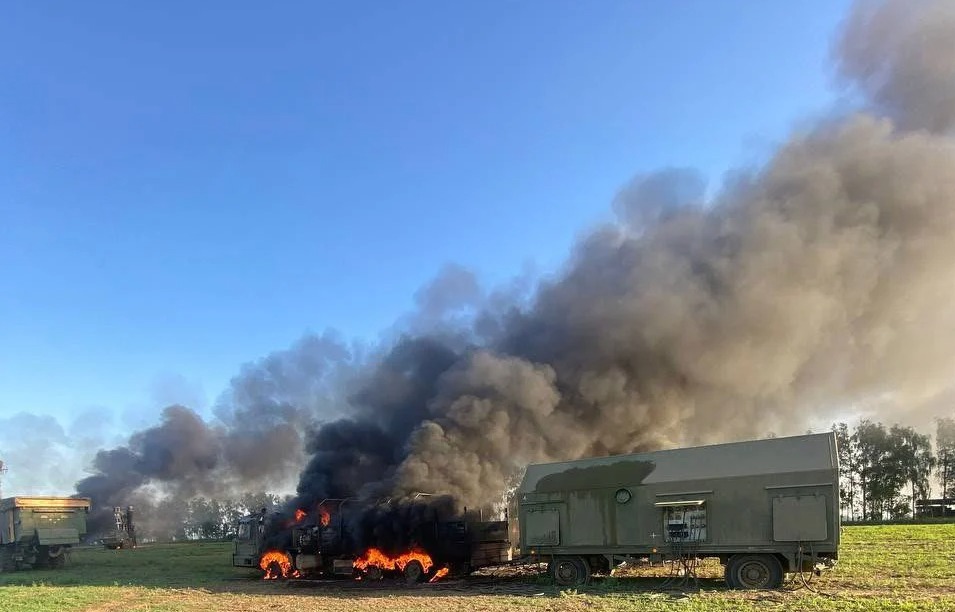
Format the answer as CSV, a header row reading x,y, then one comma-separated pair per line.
x,y
3,470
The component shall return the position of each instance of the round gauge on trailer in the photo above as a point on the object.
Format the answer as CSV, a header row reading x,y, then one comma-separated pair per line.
x,y
623,496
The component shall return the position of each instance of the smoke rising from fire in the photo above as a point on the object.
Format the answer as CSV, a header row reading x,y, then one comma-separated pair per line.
x,y
902,56
254,443
819,280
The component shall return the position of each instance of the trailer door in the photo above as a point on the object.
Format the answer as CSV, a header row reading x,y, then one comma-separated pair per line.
x,y
541,526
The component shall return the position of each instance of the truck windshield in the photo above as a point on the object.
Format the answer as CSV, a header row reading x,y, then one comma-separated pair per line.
x,y
244,531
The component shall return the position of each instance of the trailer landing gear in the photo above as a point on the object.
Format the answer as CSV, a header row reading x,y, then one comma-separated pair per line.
x,y
754,572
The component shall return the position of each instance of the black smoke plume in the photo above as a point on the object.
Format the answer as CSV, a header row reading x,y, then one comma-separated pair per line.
x,y
255,442
819,281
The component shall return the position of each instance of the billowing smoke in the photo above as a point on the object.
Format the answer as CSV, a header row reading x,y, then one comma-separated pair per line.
x,y
254,443
901,54
819,281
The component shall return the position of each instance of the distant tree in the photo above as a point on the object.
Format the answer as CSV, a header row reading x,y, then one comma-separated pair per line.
x,y
254,502
848,469
880,475
945,453
205,519
912,453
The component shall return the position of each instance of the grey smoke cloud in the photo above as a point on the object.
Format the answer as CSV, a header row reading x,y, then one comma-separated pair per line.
x,y
817,281
820,280
256,440
45,456
901,54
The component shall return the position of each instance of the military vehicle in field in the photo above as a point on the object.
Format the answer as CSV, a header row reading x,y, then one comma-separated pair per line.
x,y
248,543
37,532
123,534
320,544
764,508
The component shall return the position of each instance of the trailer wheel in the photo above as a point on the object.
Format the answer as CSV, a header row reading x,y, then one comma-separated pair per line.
x,y
414,572
7,564
754,572
570,571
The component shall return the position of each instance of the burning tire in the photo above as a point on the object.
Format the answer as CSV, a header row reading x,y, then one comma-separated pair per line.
x,y
274,569
414,572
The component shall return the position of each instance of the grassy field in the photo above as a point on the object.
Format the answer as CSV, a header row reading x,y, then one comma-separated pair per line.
x,y
892,567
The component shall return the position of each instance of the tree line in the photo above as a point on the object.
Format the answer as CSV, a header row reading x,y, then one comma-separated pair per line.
x,y
200,518
884,471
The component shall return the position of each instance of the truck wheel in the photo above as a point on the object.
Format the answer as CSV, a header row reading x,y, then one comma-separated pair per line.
x,y
570,571
751,572
414,572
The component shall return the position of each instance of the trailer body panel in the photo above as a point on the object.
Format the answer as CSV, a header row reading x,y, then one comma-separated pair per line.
x,y
769,496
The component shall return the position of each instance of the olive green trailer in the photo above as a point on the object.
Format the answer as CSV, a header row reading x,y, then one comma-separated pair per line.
x,y
38,531
764,508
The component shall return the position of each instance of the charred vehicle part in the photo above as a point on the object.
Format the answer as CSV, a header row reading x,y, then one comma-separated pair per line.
x,y
325,542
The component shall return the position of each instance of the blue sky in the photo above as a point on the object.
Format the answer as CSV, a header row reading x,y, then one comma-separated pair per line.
x,y
185,187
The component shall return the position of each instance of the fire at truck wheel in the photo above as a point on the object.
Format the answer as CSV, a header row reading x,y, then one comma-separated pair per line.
x,y
374,573
414,572
569,571
274,569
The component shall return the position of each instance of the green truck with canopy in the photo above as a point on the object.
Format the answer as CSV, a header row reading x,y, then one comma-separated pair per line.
x,y
38,532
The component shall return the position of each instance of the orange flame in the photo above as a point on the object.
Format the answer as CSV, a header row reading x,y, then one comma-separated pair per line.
x,y
274,558
296,518
438,575
324,517
375,557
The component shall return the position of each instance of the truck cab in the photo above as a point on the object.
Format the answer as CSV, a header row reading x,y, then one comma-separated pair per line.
x,y
247,545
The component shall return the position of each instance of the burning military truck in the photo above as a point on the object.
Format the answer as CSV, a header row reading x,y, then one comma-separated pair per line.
x,y
419,539
764,508
37,532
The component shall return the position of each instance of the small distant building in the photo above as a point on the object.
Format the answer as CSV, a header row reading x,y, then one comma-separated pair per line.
x,y
935,508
